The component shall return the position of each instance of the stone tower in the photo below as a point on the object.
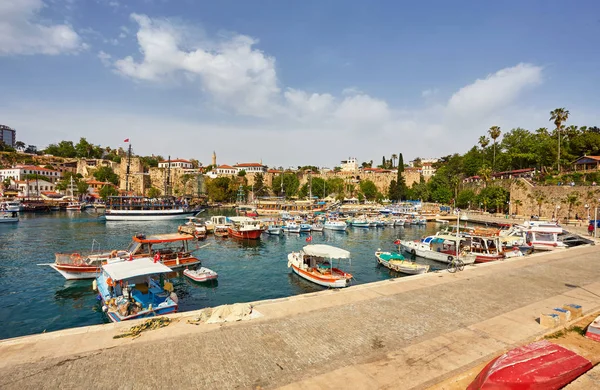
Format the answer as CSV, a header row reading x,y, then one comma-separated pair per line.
x,y
214,159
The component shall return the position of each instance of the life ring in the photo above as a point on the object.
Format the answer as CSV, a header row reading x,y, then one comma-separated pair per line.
x,y
76,259
450,258
110,282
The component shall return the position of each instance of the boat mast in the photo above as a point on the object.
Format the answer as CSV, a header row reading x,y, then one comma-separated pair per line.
x,y
457,233
168,182
127,171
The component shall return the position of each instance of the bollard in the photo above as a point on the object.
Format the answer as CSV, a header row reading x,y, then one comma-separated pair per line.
x,y
576,310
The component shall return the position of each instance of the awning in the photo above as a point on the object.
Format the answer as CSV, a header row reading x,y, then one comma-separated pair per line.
x,y
138,267
328,251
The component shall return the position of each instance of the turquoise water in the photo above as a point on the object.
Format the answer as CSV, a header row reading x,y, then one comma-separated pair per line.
x,y
35,298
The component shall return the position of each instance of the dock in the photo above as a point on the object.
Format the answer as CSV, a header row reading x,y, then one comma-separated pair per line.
x,y
414,332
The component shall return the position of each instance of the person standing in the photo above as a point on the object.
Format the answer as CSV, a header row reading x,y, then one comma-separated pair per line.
x,y
591,228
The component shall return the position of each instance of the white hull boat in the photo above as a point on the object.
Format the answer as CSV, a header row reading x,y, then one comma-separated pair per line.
x,y
202,274
335,225
315,264
9,217
397,262
424,250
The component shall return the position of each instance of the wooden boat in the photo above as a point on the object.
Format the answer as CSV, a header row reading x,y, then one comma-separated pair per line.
x,y
274,230
315,263
593,330
397,262
335,225
200,275
9,217
291,227
129,290
316,227
194,226
539,365
221,231
216,220
442,248
171,250
245,228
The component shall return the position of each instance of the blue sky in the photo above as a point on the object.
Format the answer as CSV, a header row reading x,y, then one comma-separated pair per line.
x,y
293,83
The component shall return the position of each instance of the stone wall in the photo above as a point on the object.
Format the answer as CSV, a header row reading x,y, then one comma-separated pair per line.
x,y
181,183
137,179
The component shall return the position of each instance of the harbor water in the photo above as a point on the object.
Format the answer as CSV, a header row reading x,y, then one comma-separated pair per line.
x,y
34,298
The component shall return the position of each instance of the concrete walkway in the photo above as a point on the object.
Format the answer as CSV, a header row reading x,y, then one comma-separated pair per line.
x,y
404,333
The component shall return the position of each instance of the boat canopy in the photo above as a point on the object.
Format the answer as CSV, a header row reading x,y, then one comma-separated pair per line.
x,y
321,250
131,269
160,238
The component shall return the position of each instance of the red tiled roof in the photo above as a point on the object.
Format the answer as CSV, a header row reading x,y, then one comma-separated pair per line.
x,y
31,167
225,167
273,171
249,165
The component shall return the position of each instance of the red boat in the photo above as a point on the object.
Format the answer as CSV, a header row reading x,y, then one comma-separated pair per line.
x,y
245,228
536,366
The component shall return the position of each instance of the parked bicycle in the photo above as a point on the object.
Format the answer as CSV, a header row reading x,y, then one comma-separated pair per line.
x,y
456,265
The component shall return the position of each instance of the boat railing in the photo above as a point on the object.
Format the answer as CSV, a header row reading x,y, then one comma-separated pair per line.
x,y
71,258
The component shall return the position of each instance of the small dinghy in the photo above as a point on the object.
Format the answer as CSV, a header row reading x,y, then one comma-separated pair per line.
x,y
539,365
397,262
593,330
202,274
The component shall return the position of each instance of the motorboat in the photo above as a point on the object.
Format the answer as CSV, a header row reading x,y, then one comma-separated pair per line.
x,y
135,289
399,221
442,248
245,228
316,227
216,220
170,249
9,216
315,264
274,230
139,208
305,228
360,223
221,231
542,237
539,365
200,275
11,205
397,262
335,225
74,206
291,227
194,226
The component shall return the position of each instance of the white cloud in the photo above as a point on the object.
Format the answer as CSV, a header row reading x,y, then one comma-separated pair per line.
x,y
430,92
495,91
104,58
22,31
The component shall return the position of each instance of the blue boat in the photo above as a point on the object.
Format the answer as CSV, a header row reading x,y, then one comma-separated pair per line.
x,y
135,289
305,228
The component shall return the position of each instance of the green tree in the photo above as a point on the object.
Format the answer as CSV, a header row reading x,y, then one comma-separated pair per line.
x,y
538,198
291,184
368,189
153,192
82,187
483,142
108,190
394,157
465,199
20,145
494,133
242,173
571,200
400,182
335,185
221,189
259,186
106,174
559,116
62,149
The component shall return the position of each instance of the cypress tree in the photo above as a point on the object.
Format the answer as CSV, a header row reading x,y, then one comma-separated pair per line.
x,y
400,182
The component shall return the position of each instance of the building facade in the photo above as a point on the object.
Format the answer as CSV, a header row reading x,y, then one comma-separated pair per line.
x,y
350,165
19,172
34,188
251,167
179,163
8,135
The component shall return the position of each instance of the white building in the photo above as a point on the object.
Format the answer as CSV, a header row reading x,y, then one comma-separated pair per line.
x,y
226,170
179,163
19,172
350,165
34,188
251,167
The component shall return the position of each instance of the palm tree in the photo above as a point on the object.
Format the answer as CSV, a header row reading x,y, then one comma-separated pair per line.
x,y
538,198
558,116
517,203
494,133
394,157
483,142
571,199
20,145
485,173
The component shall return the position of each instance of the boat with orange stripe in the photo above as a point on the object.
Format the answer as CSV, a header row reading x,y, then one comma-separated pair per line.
x,y
315,263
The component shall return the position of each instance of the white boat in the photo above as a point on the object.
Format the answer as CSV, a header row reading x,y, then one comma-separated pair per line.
x,y
8,217
335,225
291,227
274,230
316,227
74,206
397,262
441,248
11,205
421,221
360,223
216,220
202,274
194,226
543,237
315,263
139,208
399,221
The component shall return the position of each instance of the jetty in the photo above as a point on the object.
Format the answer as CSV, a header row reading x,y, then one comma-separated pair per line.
x,y
413,332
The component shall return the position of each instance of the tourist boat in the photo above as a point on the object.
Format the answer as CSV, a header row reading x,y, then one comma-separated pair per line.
x,y
593,330
200,275
315,263
399,221
539,365
420,220
247,211
335,225
397,262
360,223
316,227
74,206
291,227
221,231
543,237
274,230
485,248
194,226
216,220
9,216
170,249
139,208
11,205
305,228
135,289
245,228
442,248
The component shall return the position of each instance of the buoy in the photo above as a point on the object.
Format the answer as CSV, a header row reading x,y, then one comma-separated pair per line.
x,y
94,285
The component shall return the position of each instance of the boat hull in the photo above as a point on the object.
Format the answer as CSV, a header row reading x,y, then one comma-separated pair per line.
x,y
245,234
422,250
202,277
410,268
336,227
147,216
321,281
76,272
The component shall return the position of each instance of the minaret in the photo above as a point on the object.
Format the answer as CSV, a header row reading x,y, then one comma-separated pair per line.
x,y
214,159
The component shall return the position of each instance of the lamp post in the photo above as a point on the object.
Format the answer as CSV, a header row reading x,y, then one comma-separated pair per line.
x,y
587,209
557,210
509,208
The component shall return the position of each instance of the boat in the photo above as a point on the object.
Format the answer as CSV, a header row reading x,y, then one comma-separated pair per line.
x,y
170,249
131,290
305,228
397,262
291,227
9,216
216,220
360,223
485,248
539,365
315,264
274,230
421,221
140,208
200,275
74,206
316,227
543,237
194,226
442,248
11,205
221,231
335,225
399,221
593,330
246,210
245,228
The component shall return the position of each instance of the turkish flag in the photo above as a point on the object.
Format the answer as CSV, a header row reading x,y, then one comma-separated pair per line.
x,y
126,140
397,242
309,239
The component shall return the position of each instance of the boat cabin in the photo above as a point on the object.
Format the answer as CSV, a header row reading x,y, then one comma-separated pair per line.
x,y
168,246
